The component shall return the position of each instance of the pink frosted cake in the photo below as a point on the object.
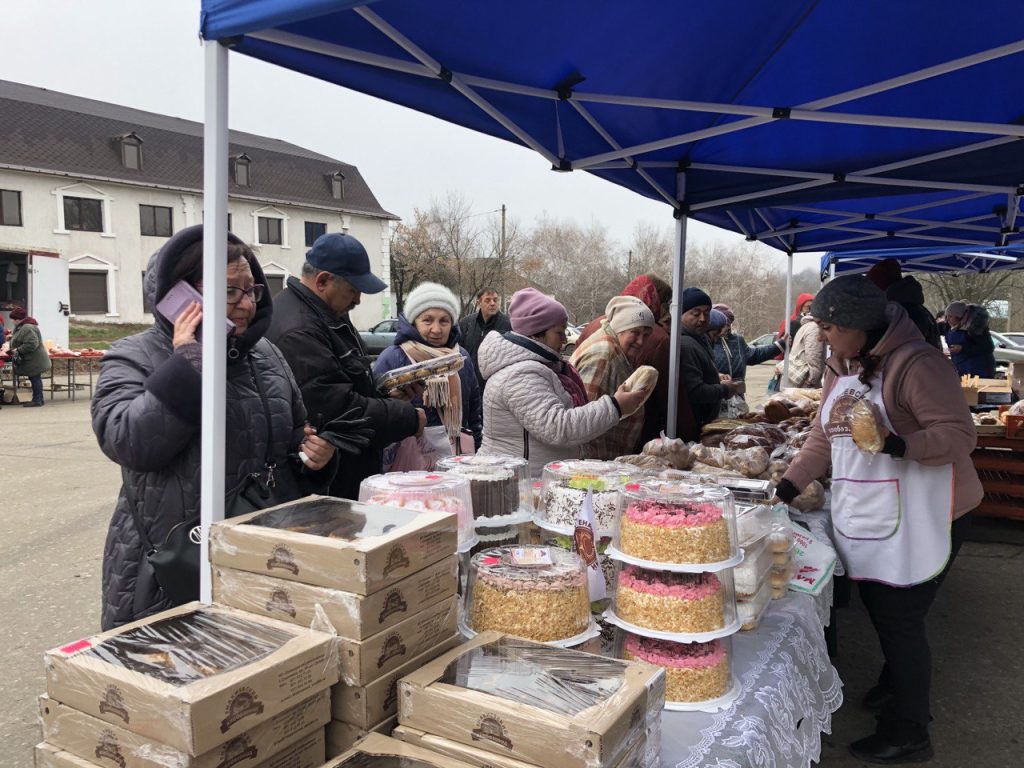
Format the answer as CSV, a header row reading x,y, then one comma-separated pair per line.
x,y
670,602
693,671
674,532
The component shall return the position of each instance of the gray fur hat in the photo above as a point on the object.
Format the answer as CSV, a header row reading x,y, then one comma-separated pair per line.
x,y
851,301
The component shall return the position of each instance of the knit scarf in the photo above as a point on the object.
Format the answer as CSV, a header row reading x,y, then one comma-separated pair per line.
x,y
568,376
443,393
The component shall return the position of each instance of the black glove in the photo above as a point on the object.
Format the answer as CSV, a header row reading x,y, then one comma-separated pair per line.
x,y
347,433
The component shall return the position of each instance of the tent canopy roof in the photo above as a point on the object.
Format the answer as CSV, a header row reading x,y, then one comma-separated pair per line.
x,y
806,124
930,259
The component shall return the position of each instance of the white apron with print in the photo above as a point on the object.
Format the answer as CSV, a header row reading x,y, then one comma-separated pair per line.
x,y
891,517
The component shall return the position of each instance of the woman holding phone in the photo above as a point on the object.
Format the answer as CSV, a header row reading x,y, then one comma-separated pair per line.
x,y
147,411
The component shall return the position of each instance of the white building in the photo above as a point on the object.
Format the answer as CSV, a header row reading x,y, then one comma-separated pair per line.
x,y
89,191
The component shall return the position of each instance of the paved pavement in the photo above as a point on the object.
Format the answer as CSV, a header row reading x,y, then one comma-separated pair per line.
x,y
59,490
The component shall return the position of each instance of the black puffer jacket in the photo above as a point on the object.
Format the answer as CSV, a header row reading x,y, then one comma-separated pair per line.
x,y
146,414
910,295
700,377
330,364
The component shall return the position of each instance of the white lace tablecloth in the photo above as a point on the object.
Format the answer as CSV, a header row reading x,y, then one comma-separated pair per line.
x,y
789,691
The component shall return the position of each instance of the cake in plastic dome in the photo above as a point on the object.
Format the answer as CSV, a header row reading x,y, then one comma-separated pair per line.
x,y
672,602
566,484
424,492
694,672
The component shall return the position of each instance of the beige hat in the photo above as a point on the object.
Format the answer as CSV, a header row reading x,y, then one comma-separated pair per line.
x,y
624,313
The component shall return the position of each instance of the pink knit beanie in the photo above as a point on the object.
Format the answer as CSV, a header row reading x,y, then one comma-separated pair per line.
x,y
532,312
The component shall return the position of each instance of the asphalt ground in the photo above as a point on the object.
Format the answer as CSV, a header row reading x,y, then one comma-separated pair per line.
x,y
58,492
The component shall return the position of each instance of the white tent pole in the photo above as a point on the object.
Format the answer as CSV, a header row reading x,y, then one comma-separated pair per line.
x,y
215,240
678,271
785,322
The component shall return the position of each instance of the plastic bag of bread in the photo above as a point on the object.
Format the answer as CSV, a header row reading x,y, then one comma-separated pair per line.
x,y
709,469
864,427
714,457
741,441
776,469
1017,409
672,449
794,393
646,461
749,462
645,377
812,498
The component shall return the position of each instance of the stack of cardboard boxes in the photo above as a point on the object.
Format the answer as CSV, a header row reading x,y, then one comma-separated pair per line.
x,y
385,585
195,687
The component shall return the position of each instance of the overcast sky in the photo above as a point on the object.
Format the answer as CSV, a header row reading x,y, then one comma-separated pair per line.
x,y
147,55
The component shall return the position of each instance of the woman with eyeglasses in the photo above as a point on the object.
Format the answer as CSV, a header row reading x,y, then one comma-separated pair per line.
x,y
147,411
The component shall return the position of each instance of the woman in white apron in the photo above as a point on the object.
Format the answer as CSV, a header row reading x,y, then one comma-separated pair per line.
x,y
899,515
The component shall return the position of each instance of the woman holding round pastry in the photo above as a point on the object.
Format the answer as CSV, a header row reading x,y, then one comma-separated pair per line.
x,y
603,361
896,429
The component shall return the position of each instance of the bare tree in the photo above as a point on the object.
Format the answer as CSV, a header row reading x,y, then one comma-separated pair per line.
x,y
417,254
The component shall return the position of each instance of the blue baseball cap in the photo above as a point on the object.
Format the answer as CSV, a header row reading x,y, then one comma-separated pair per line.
x,y
344,256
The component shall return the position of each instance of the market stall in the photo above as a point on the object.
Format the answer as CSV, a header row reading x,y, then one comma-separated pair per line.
x,y
70,372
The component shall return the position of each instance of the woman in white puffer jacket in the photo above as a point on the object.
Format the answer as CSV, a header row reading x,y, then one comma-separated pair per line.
x,y
535,404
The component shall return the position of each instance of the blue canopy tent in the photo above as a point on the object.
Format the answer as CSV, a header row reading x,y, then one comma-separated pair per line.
x,y
934,259
809,125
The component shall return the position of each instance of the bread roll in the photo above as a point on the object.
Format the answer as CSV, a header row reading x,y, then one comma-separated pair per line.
x,y
864,427
645,377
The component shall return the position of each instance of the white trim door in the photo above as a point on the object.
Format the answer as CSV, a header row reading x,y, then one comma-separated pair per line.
x,y
48,295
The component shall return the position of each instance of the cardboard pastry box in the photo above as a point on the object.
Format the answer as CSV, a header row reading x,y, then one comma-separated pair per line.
x,y
72,731
641,755
193,677
341,737
362,661
364,705
308,752
352,615
550,707
334,543
383,747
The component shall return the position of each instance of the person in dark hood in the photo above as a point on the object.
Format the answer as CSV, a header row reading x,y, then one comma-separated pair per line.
x,y
699,375
426,330
28,354
311,325
908,293
147,413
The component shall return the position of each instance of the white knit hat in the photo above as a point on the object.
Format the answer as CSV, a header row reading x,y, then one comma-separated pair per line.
x,y
626,312
431,296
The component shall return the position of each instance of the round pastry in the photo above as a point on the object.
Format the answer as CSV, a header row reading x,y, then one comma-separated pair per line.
x,y
670,602
494,482
545,601
566,484
693,671
683,527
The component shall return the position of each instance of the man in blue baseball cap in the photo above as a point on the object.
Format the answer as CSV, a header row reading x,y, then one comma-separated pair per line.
x,y
311,327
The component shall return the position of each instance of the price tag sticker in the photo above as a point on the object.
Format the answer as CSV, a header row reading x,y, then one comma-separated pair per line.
x,y
531,556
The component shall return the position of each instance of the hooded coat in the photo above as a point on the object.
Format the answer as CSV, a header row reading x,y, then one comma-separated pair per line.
x,y
924,402
395,357
146,413
732,355
793,324
908,293
527,411
27,349
806,358
329,360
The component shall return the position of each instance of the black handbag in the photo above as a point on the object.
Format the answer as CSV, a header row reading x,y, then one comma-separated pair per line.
x,y
175,562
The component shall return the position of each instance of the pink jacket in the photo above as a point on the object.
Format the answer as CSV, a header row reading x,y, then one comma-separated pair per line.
x,y
925,404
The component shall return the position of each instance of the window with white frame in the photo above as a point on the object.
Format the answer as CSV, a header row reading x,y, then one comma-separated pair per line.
x,y
91,286
82,208
270,226
275,276
155,220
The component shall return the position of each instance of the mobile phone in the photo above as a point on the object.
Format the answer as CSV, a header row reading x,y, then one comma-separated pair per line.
x,y
178,299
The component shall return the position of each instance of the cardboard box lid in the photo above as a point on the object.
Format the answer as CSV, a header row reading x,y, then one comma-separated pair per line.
x,y
83,735
334,542
194,676
554,707
385,746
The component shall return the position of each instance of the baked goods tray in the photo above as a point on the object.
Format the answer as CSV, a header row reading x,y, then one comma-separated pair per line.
x,y
418,372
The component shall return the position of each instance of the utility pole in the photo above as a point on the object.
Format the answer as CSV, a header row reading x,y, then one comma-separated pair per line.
x,y
502,245
629,265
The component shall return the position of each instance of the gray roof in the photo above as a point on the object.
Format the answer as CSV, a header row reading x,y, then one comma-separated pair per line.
x,y
51,131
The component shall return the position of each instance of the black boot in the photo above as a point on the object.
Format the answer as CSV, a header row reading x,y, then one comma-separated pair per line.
x,y
894,744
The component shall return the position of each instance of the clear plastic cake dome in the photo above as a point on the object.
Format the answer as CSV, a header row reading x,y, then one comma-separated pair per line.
x,y
566,484
424,492
531,591
698,676
672,605
499,487
676,526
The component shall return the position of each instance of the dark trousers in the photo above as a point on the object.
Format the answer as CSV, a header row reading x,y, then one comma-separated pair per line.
x,y
898,615
37,388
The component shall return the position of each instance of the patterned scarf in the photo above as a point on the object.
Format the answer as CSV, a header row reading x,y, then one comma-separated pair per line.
x,y
443,393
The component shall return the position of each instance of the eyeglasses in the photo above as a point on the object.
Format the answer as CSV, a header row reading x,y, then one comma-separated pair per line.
x,y
255,293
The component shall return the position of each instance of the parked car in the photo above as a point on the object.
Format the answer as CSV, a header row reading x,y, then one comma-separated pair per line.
x,y
1017,337
1006,350
572,335
380,337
